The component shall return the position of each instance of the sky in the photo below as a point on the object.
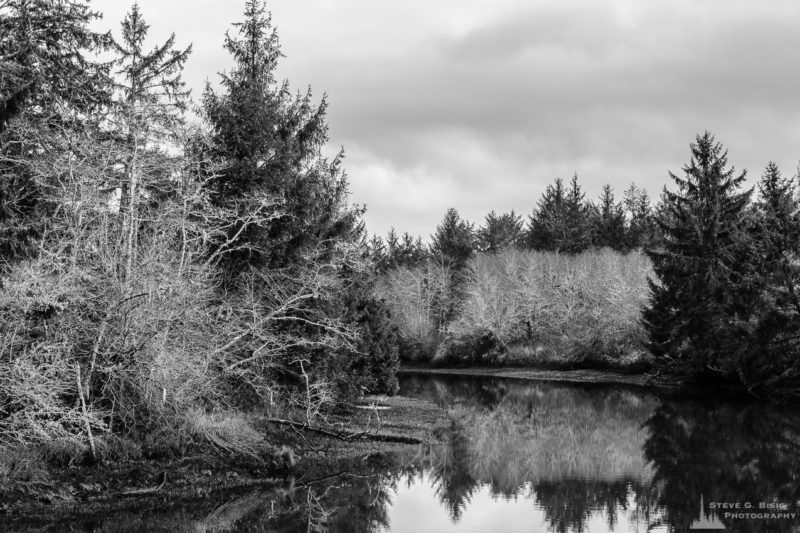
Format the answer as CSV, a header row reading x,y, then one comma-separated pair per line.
x,y
480,104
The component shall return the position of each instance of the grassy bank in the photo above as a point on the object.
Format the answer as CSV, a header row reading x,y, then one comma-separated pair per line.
x,y
526,308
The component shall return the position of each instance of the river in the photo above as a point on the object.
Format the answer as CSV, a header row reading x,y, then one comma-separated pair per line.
x,y
524,456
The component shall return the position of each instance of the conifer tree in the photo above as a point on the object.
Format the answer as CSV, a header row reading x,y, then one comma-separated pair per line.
x,y
578,230
769,364
50,90
704,267
609,221
453,242
545,224
269,143
499,232
640,231
44,57
561,221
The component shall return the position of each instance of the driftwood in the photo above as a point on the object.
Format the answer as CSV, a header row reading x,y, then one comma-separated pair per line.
x,y
148,490
346,436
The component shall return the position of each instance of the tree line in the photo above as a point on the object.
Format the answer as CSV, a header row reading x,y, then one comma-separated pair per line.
x,y
724,302
563,221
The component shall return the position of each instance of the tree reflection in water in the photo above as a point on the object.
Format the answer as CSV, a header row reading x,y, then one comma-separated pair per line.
x,y
573,455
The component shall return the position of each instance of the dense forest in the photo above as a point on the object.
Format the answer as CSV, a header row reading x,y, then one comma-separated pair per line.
x,y
170,266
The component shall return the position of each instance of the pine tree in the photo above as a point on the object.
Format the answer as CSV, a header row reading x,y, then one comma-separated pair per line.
x,y
545,224
704,266
50,91
609,222
269,143
768,366
499,232
453,242
561,221
44,48
577,232
641,231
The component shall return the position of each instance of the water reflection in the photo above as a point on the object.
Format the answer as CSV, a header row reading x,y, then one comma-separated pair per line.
x,y
523,456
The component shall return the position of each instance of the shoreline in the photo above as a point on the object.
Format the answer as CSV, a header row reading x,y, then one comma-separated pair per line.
x,y
74,493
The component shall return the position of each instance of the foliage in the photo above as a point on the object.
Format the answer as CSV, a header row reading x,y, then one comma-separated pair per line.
x,y
641,231
704,270
561,219
453,241
267,143
609,222
396,252
49,89
499,232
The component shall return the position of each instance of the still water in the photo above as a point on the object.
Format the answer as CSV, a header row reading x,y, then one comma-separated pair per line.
x,y
526,456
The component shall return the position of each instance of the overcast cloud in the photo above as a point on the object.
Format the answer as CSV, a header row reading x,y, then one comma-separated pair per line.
x,y
478,105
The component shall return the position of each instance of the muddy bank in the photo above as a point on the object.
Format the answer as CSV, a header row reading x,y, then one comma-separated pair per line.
x,y
379,431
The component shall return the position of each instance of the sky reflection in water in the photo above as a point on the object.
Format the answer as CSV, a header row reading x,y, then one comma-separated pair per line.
x,y
533,457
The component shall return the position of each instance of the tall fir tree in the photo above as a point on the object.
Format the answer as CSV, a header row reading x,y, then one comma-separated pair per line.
x,y
769,364
703,286
269,145
609,221
545,223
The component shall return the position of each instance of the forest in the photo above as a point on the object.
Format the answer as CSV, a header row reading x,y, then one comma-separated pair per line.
x,y
172,269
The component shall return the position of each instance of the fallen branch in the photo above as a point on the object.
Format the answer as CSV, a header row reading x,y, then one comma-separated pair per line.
x,y
345,436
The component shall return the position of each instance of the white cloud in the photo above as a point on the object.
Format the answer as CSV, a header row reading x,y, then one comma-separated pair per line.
x,y
478,105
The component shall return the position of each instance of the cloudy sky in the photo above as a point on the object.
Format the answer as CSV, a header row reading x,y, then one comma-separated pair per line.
x,y
479,104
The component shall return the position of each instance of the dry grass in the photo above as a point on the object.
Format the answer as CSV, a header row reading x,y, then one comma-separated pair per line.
x,y
21,465
230,431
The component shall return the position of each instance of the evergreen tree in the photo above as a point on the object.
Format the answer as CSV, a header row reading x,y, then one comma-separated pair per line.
x,y
641,231
577,233
561,222
546,222
43,56
453,242
55,91
704,267
609,221
499,232
768,367
269,145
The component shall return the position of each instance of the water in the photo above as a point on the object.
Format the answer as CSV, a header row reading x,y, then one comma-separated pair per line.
x,y
527,456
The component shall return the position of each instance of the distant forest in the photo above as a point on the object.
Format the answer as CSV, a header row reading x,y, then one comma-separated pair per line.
x,y
564,220
163,278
